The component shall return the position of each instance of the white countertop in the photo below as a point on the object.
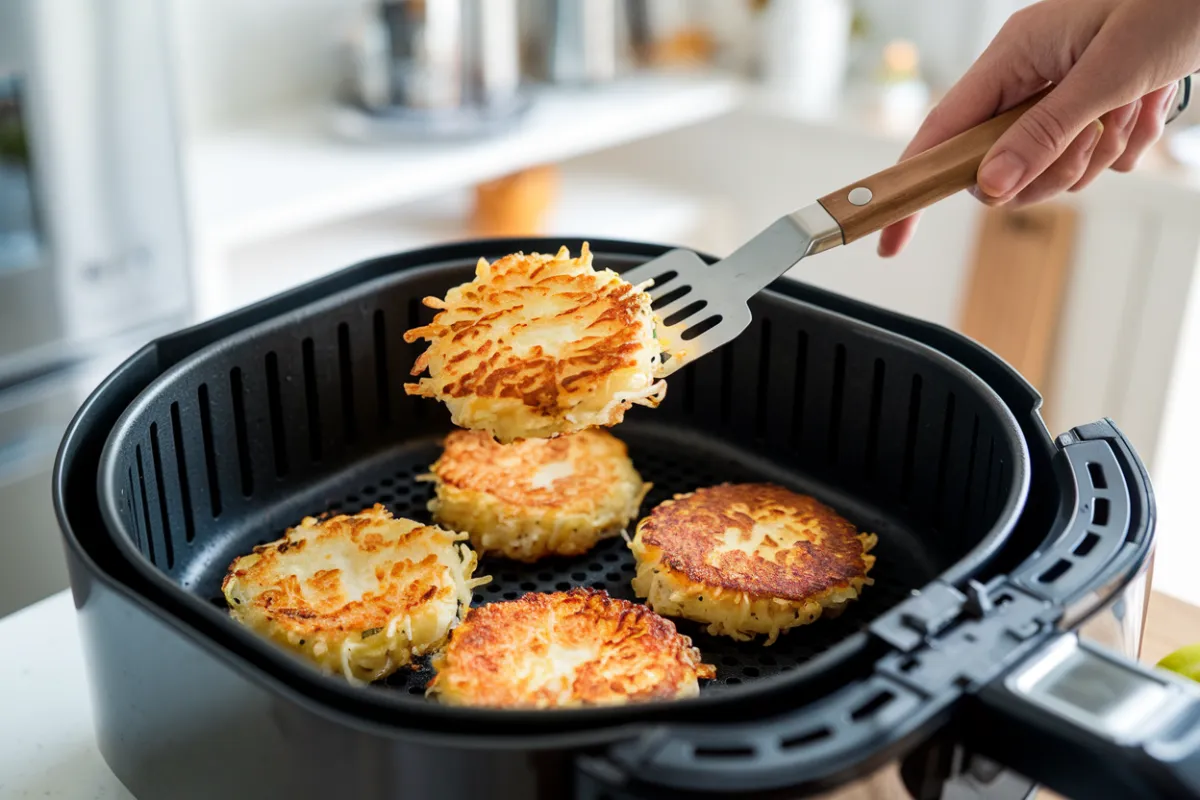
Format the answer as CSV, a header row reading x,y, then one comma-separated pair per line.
x,y
47,745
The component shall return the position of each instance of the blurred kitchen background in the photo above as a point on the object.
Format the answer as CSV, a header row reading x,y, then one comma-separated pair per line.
x,y
165,161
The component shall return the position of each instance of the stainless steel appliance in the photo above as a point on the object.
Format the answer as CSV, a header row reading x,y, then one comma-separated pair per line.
x,y
432,68
589,41
92,241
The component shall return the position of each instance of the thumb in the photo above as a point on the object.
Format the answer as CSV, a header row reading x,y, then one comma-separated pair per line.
x,y
1036,140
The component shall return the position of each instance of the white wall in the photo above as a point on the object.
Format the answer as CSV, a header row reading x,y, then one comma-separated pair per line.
x,y
1177,472
242,58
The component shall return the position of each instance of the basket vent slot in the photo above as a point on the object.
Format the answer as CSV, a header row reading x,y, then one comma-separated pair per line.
x,y
873,420
275,409
998,496
134,522
1100,510
185,494
1055,572
311,401
145,506
910,435
346,372
872,706
1096,471
764,380
835,402
239,427
156,458
985,501
944,453
210,454
970,484
799,387
726,385
806,738
730,751
382,387
1086,544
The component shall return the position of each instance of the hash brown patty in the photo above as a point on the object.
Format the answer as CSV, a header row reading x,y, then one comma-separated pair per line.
x,y
536,497
539,345
358,595
749,559
565,649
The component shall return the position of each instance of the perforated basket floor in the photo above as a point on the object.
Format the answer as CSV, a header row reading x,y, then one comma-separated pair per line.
x,y
675,462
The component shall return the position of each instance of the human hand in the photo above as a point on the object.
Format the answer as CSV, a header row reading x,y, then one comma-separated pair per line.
x,y
1114,66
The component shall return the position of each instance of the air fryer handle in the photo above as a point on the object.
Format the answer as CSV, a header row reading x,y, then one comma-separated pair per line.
x,y
1089,723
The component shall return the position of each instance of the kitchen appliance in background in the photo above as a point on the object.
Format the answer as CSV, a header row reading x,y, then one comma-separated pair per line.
x,y
424,68
805,45
588,41
92,242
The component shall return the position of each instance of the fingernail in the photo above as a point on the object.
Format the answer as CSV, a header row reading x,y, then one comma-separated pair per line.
x,y
1001,174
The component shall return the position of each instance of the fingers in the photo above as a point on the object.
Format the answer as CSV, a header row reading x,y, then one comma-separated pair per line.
x,y
896,236
1148,128
1118,126
1027,149
1043,133
1066,171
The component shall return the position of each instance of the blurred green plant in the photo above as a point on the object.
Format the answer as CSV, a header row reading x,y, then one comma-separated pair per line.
x,y
13,146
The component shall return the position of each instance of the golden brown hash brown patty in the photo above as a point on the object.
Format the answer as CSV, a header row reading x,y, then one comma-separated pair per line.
x,y
539,345
355,594
576,648
536,497
749,559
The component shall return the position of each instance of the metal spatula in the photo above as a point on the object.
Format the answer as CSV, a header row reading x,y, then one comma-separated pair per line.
x,y
701,306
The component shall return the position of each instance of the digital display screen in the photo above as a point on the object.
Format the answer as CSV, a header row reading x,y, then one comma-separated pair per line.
x,y
1096,687
20,243
1105,695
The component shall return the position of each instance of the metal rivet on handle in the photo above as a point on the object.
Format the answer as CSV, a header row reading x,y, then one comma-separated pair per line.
x,y
859,196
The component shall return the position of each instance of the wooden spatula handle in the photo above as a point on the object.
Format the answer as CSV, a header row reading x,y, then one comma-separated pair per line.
x,y
889,196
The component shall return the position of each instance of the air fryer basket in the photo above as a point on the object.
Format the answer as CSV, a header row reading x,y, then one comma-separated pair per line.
x,y
995,541
307,413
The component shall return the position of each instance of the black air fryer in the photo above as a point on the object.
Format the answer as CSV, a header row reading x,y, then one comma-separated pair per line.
x,y
1004,556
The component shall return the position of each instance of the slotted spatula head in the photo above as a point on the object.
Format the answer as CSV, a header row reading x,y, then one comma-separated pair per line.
x,y
701,306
